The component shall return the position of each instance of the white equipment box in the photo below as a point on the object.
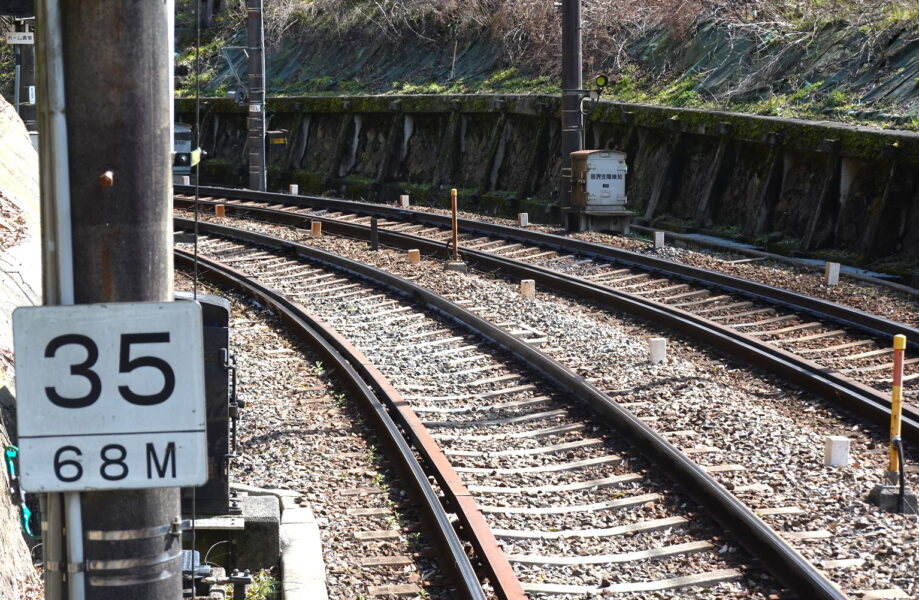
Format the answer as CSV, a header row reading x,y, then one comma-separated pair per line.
x,y
605,180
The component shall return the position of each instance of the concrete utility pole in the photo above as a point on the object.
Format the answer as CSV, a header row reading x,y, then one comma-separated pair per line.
x,y
256,35
572,82
117,94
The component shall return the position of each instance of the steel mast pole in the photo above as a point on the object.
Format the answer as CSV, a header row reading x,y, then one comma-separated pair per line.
x,y
117,85
256,37
25,73
572,82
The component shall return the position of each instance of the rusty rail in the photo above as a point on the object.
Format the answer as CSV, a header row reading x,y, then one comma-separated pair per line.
x,y
366,381
783,561
869,403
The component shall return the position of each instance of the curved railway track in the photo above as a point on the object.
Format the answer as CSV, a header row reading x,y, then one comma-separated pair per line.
x,y
478,403
836,351
345,360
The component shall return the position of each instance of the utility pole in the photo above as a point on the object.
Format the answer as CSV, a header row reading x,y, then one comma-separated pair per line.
x,y
106,155
572,82
25,78
256,37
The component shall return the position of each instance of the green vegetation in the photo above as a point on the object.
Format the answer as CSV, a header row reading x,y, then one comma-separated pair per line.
x,y
264,587
799,58
7,72
718,54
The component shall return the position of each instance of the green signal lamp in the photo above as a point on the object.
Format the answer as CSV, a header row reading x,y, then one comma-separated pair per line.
x,y
601,81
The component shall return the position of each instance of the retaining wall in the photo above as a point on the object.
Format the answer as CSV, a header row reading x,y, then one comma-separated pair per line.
x,y
801,186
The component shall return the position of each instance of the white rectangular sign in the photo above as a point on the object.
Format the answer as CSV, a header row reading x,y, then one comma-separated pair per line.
x,y
20,37
110,396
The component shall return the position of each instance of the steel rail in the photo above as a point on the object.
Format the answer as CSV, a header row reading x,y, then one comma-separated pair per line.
x,y
370,386
783,561
843,315
865,401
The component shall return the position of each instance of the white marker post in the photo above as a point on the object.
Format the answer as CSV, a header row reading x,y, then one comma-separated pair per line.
x,y
836,451
831,275
658,348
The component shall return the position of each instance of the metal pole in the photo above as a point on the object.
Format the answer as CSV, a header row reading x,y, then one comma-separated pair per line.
x,y
453,222
57,272
256,35
115,61
896,401
26,85
17,52
572,82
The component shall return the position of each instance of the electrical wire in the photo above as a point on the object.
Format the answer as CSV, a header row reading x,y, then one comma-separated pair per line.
x,y
194,495
197,137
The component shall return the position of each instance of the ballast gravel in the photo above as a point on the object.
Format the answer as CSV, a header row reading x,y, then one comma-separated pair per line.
x,y
776,432
866,296
299,432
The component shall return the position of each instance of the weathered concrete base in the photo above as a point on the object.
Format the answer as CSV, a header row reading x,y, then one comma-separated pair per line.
x,y
302,566
258,545
885,496
617,221
456,265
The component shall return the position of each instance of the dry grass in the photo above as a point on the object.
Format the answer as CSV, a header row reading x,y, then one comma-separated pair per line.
x,y
529,31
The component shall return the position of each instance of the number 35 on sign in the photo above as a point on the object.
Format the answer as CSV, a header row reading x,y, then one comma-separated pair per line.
x,y
110,396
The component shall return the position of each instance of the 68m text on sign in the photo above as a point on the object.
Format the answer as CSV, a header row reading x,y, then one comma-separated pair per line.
x,y
110,396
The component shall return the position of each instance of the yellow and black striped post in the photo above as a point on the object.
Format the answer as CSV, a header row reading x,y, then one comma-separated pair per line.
x,y
896,399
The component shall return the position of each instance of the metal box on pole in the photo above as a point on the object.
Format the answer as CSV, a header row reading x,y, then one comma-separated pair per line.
x,y
213,497
598,198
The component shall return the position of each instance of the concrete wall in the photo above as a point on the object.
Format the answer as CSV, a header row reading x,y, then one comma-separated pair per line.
x,y
805,186
20,276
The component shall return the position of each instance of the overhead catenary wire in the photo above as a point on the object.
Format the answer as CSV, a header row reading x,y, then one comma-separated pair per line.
x,y
197,141
194,498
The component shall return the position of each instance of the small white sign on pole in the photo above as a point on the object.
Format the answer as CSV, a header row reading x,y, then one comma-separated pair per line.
x,y
110,396
20,37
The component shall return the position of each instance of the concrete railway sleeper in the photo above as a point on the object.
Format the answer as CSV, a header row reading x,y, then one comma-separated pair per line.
x,y
506,417
779,343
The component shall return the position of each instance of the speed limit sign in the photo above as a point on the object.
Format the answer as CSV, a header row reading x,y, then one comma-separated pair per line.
x,y
110,396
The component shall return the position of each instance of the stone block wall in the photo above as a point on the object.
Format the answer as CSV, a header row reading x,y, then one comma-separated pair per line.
x,y
803,186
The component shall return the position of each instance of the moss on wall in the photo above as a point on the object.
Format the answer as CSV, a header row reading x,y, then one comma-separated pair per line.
x,y
489,145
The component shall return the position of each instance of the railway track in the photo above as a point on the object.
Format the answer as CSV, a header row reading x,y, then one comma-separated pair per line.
x,y
517,441
838,352
376,495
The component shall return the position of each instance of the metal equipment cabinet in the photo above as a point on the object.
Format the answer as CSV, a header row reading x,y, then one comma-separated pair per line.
x,y
213,497
598,200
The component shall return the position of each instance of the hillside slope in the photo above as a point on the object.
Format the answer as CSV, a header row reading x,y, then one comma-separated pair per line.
x,y
837,59
21,270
